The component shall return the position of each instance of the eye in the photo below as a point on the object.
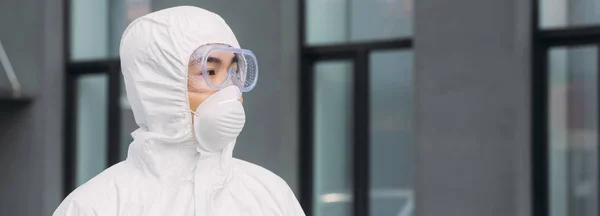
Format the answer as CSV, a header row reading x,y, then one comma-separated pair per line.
x,y
234,69
210,72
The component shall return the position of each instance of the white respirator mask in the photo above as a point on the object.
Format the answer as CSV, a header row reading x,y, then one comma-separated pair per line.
x,y
219,120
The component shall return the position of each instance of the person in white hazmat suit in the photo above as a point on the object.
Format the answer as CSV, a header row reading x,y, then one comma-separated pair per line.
x,y
184,74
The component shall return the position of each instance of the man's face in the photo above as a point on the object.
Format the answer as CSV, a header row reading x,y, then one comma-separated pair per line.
x,y
217,66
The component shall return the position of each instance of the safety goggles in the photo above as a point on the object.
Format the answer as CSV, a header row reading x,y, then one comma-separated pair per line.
x,y
215,67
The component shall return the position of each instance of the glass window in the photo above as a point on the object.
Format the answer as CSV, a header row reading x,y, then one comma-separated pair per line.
x,y
333,139
573,132
392,147
97,26
566,13
340,21
92,99
89,24
326,21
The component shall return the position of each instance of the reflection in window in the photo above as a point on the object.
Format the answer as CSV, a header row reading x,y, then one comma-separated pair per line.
x,y
573,131
392,146
333,139
92,99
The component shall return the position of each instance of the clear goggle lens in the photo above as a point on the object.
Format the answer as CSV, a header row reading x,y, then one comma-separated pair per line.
x,y
214,67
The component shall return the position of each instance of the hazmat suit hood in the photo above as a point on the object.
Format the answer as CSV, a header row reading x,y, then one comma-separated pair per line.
x,y
165,172
155,52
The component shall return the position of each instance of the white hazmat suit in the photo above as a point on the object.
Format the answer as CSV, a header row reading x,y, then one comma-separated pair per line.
x,y
166,172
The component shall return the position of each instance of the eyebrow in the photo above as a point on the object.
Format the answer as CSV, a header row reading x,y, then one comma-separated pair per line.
x,y
219,61
214,60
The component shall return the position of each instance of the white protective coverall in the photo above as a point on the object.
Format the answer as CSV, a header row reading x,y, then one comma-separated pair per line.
x,y
165,173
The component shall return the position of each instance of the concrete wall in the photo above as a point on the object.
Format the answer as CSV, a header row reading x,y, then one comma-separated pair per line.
x,y
31,132
472,107
269,28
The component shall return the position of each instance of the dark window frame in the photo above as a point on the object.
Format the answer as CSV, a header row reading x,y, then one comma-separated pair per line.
x,y
542,41
75,69
358,53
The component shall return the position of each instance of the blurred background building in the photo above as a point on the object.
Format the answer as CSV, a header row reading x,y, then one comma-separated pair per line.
x,y
365,107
